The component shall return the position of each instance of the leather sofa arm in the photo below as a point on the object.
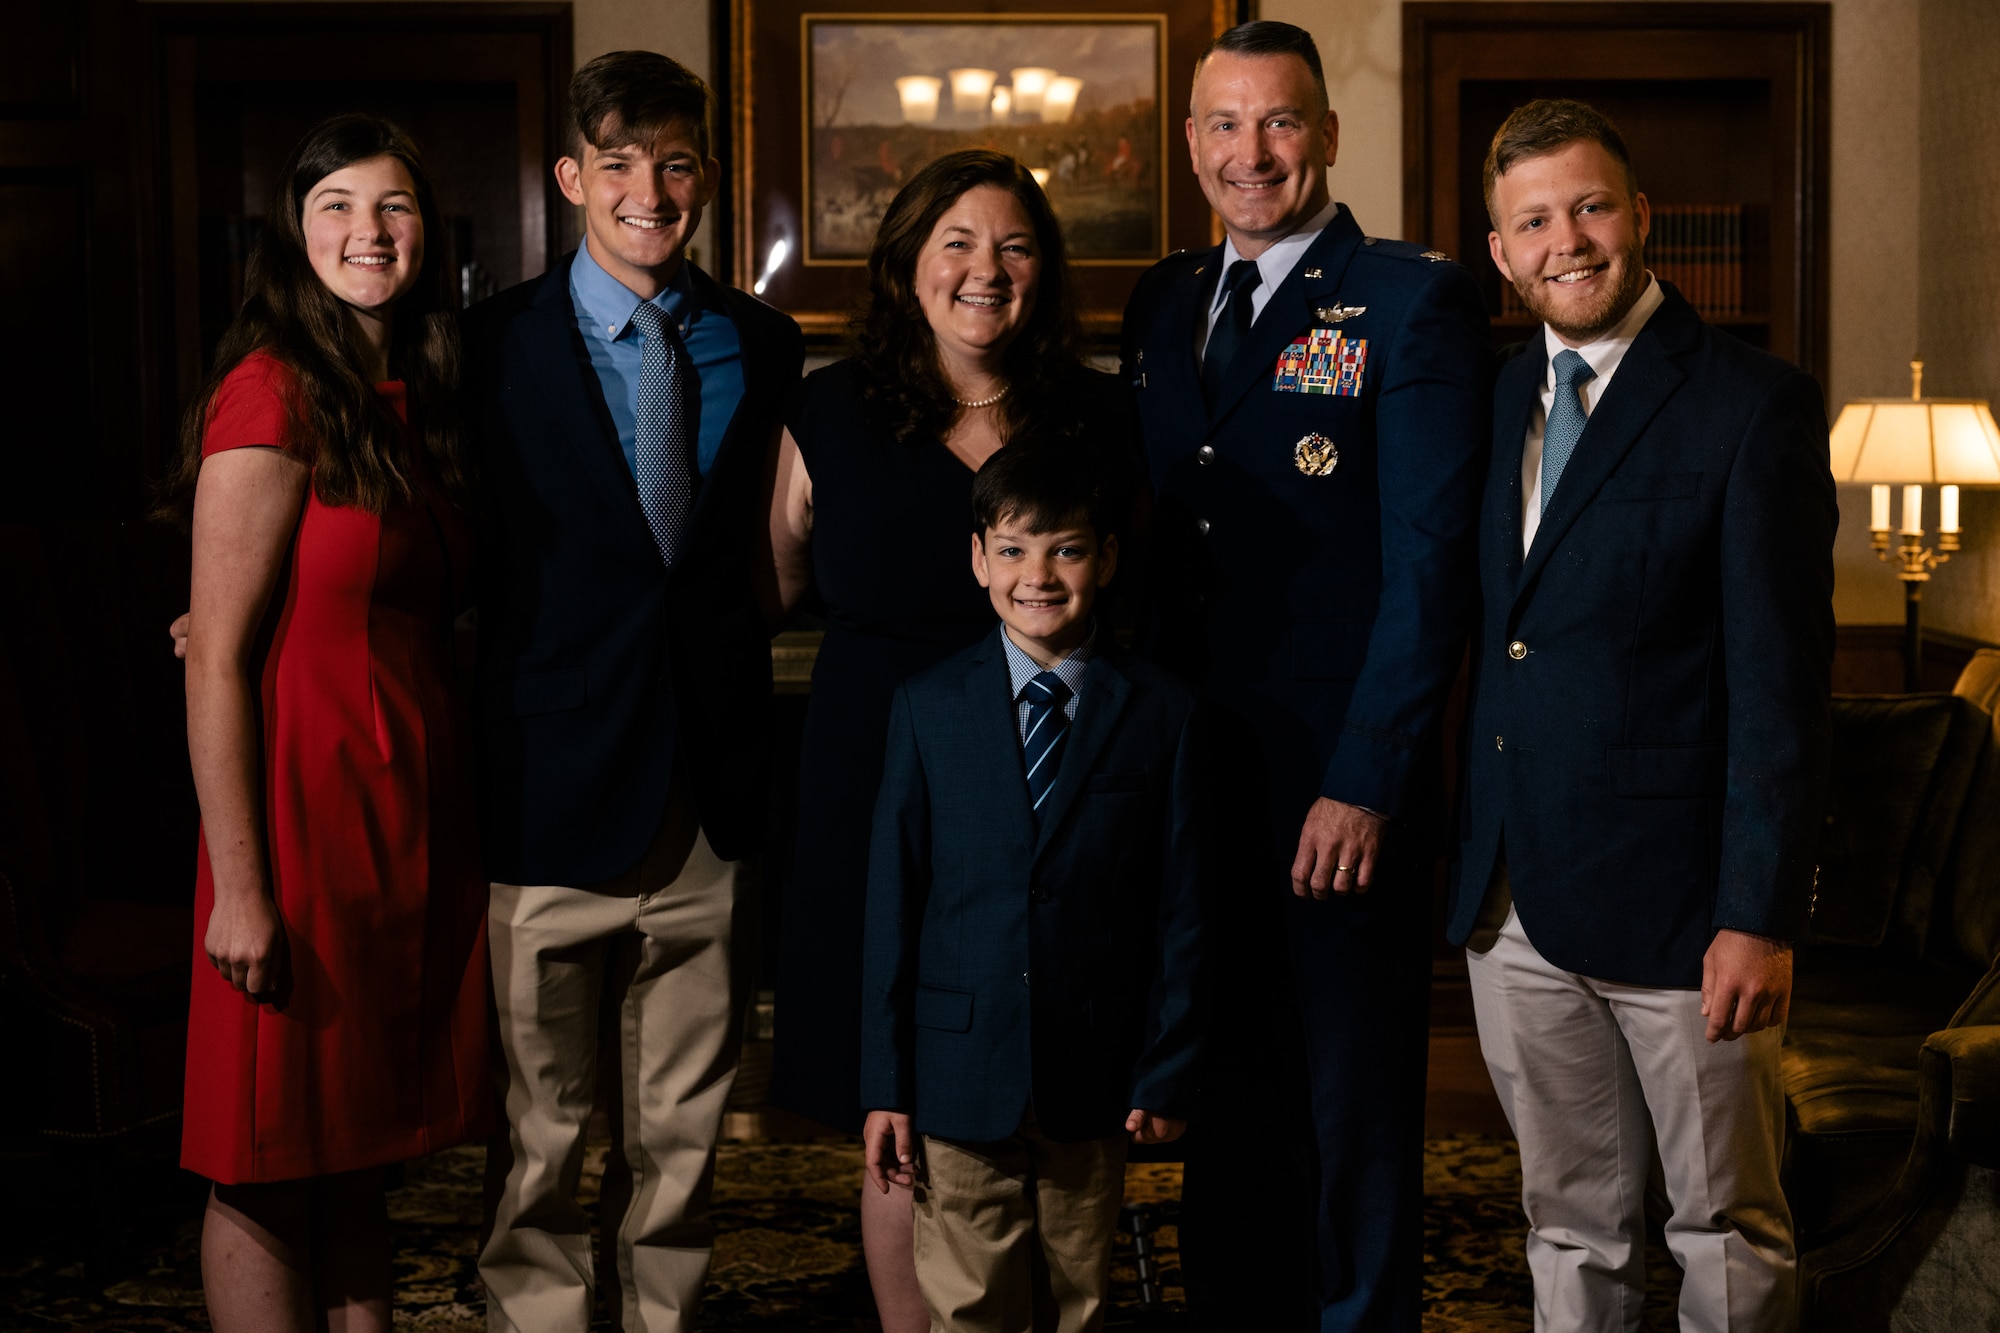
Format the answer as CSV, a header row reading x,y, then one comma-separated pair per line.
x,y
1958,1091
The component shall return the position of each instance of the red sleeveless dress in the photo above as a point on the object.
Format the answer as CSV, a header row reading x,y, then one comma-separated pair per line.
x,y
381,1053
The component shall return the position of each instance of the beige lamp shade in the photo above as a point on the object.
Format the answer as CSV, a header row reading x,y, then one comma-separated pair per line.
x,y
1929,441
919,95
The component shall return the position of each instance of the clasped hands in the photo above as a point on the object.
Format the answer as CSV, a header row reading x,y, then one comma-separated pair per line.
x,y
889,1153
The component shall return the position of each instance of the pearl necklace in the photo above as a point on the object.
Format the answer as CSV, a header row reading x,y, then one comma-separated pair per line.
x,y
985,402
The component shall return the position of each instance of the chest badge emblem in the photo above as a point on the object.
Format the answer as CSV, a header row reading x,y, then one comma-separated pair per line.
x,y
1315,455
1334,314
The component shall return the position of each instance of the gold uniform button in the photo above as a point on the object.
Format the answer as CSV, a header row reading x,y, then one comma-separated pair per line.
x,y
1205,454
1517,650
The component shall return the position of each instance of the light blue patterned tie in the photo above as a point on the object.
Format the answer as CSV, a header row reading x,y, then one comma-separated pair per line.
x,y
1566,420
1048,728
663,460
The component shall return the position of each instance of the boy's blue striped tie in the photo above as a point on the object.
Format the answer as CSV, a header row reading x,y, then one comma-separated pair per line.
x,y
1048,728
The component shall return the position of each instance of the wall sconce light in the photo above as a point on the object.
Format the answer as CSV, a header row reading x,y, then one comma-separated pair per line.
x,y
1003,102
1041,175
919,96
1915,441
1030,82
971,89
1060,100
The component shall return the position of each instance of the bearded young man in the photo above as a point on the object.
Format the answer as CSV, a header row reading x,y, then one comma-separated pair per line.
x,y
1647,750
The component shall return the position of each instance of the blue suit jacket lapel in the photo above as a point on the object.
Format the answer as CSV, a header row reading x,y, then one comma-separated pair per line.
x,y
989,703
1102,699
1645,379
756,386
1290,309
1514,401
548,338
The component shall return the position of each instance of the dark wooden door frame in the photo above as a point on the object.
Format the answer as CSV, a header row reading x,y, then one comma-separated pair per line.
x,y
173,38
1811,27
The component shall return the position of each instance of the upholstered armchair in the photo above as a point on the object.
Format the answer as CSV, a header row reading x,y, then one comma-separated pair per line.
x,y
1892,1059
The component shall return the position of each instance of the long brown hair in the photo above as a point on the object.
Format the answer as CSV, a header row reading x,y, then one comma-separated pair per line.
x,y
895,348
342,428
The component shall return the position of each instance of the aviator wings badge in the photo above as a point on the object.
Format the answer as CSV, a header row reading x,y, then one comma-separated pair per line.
x,y
1315,455
1333,314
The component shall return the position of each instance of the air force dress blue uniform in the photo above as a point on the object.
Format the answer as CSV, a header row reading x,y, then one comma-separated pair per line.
x,y
1317,526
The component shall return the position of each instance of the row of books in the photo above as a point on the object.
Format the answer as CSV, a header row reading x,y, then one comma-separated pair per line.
x,y
1714,253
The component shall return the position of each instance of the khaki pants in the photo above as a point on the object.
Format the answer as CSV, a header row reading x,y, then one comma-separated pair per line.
x,y
659,945
1591,1075
1015,1236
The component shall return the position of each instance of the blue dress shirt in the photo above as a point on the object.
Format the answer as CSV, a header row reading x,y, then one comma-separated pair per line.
x,y
604,309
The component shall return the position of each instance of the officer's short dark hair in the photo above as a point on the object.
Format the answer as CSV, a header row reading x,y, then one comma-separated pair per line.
x,y
1045,485
1268,37
628,97
1548,126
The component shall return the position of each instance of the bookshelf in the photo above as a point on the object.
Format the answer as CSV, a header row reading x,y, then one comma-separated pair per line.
x,y
1723,107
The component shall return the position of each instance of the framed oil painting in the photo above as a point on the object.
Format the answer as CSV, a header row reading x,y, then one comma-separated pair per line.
x,y
835,107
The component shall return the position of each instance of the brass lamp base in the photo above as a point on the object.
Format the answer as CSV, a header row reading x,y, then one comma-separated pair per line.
x,y
1913,566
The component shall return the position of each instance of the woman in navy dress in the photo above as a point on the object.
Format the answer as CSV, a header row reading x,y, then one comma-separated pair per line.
x,y
969,338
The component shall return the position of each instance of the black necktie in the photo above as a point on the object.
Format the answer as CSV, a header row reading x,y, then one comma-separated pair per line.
x,y
1232,328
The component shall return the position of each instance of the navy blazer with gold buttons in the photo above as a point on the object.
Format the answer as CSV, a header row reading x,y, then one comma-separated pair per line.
x,y
1648,743
1315,528
1010,963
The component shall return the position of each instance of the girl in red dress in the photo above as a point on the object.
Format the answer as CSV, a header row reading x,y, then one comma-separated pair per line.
x,y
338,1020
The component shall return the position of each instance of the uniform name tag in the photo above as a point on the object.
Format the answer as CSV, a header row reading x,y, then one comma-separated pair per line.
x,y
1322,361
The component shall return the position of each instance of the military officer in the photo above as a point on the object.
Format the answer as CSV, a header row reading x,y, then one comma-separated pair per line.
x,y
1316,407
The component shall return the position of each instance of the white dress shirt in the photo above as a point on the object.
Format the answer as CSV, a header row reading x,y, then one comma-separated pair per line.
x,y
1273,267
1602,356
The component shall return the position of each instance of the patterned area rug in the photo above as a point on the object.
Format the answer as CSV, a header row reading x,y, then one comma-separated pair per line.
x,y
787,1256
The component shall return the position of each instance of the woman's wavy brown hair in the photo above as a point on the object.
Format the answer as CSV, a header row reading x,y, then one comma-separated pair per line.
x,y
894,346
342,428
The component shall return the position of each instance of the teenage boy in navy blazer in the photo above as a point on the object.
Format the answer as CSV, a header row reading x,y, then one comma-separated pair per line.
x,y
624,405
1648,748
1030,992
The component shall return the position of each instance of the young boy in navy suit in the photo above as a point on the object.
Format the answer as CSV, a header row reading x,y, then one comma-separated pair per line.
x,y
1030,998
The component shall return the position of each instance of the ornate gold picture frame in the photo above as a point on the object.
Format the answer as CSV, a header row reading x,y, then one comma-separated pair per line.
x,y
835,106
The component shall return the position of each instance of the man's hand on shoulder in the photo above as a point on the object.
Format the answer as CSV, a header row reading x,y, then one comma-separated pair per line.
x,y
887,1151
1337,849
1746,984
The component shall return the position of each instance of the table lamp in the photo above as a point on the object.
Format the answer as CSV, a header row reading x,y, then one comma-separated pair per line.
x,y
1915,442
